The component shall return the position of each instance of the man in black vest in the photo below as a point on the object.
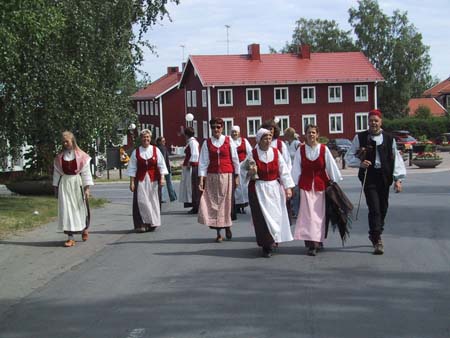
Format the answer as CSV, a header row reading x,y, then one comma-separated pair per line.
x,y
380,164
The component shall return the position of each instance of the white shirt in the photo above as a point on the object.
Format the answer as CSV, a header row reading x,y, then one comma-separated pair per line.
x,y
193,145
283,170
204,155
248,147
285,152
146,153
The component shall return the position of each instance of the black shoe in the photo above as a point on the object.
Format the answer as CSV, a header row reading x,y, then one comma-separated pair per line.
x,y
192,212
243,211
267,253
228,233
378,248
311,252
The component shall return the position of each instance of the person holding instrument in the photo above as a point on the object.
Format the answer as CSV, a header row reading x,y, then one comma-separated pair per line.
x,y
380,164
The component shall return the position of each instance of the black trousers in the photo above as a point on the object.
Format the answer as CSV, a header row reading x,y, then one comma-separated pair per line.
x,y
196,193
376,191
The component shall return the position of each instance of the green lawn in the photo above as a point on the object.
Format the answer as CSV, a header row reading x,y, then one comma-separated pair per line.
x,y
27,212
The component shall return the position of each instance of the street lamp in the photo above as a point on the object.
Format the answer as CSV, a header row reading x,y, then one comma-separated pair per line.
x,y
189,118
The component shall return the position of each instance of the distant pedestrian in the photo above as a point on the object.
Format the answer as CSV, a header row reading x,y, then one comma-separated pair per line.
x,y
380,164
313,168
71,180
218,166
161,144
146,169
244,150
189,190
268,194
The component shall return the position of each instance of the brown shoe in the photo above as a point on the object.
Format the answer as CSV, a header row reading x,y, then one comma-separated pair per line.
x,y
141,230
378,248
85,235
219,239
69,243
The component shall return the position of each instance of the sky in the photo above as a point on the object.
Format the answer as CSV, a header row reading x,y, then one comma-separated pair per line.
x,y
200,26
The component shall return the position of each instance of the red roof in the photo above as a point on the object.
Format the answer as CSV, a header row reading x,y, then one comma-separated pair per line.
x,y
435,107
232,70
159,87
441,88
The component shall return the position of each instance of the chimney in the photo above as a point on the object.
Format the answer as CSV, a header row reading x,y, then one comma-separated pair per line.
x,y
171,70
183,65
253,52
304,52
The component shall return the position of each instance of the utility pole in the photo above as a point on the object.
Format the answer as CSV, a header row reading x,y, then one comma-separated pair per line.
x,y
228,41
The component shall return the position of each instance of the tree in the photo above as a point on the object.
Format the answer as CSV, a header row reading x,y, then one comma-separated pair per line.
x,y
321,35
396,49
68,65
422,112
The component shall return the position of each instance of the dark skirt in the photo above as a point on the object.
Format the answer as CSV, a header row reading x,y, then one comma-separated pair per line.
x,y
263,236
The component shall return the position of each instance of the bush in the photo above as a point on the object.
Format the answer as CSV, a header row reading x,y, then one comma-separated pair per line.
x,y
432,127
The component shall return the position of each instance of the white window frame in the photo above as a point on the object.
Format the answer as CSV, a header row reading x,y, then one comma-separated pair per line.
x,y
142,107
157,132
195,126
333,90
253,102
146,108
281,100
228,123
205,129
152,108
330,123
188,99
226,102
307,99
204,98
256,121
156,108
194,98
308,117
362,98
138,107
283,119
359,116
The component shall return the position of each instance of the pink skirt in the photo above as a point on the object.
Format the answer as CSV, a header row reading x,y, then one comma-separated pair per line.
x,y
310,224
215,203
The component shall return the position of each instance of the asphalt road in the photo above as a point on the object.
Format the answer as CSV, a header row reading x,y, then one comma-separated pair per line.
x,y
177,282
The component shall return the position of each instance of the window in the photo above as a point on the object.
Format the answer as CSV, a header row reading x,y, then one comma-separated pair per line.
x,y
253,124
157,132
142,107
253,96
204,98
156,108
361,93
283,123
225,97
334,94
361,121
194,98
138,107
195,126
188,99
308,94
152,105
448,101
227,125
205,129
335,123
146,107
307,120
281,95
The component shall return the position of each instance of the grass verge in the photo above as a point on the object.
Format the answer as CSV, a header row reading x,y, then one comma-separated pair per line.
x,y
18,213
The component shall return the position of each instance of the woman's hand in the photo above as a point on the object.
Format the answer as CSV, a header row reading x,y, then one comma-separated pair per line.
x,y
162,181
288,193
398,186
201,184
132,184
87,192
237,180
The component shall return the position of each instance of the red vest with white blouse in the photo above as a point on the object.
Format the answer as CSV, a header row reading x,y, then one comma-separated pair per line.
x,y
187,157
69,167
242,150
149,166
313,171
267,171
220,158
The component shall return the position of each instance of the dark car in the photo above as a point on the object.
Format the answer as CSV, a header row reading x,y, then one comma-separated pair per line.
x,y
340,145
403,139
445,137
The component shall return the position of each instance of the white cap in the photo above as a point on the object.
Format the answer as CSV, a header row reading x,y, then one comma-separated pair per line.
x,y
237,128
261,132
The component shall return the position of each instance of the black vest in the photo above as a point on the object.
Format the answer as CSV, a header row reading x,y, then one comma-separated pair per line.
x,y
385,152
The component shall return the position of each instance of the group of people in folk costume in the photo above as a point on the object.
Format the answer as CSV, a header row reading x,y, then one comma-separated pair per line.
x,y
226,174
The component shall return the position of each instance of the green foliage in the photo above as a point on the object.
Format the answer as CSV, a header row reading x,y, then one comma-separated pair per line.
x,y
422,112
68,65
323,139
432,127
321,35
396,49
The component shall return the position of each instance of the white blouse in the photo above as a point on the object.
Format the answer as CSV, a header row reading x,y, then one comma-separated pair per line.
x,y
193,144
146,153
248,147
283,170
85,173
204,155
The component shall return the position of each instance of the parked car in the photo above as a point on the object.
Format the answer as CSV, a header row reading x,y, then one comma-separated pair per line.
x,y
404,139
340,145
445,137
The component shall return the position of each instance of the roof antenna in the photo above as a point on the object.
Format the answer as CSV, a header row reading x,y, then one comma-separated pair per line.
x,y
228,41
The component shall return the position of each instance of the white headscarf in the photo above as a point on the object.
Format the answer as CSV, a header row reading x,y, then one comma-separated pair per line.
x,y
261,132
237,128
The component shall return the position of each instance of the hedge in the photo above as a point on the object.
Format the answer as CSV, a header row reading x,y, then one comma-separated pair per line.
x,y
431,127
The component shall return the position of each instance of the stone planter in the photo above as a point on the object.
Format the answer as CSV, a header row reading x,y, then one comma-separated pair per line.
x,y
426,163
31,187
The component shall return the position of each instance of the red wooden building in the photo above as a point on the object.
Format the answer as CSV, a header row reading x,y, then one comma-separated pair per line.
x,y
333,90
161,107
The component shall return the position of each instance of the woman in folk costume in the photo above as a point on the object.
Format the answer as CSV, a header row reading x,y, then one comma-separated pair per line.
x,y
71,180
268,192
244,150
313,168
189,191
146,169
218,166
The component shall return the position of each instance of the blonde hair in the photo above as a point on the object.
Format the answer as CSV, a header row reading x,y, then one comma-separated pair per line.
x,y
289,132
146,131
69,134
